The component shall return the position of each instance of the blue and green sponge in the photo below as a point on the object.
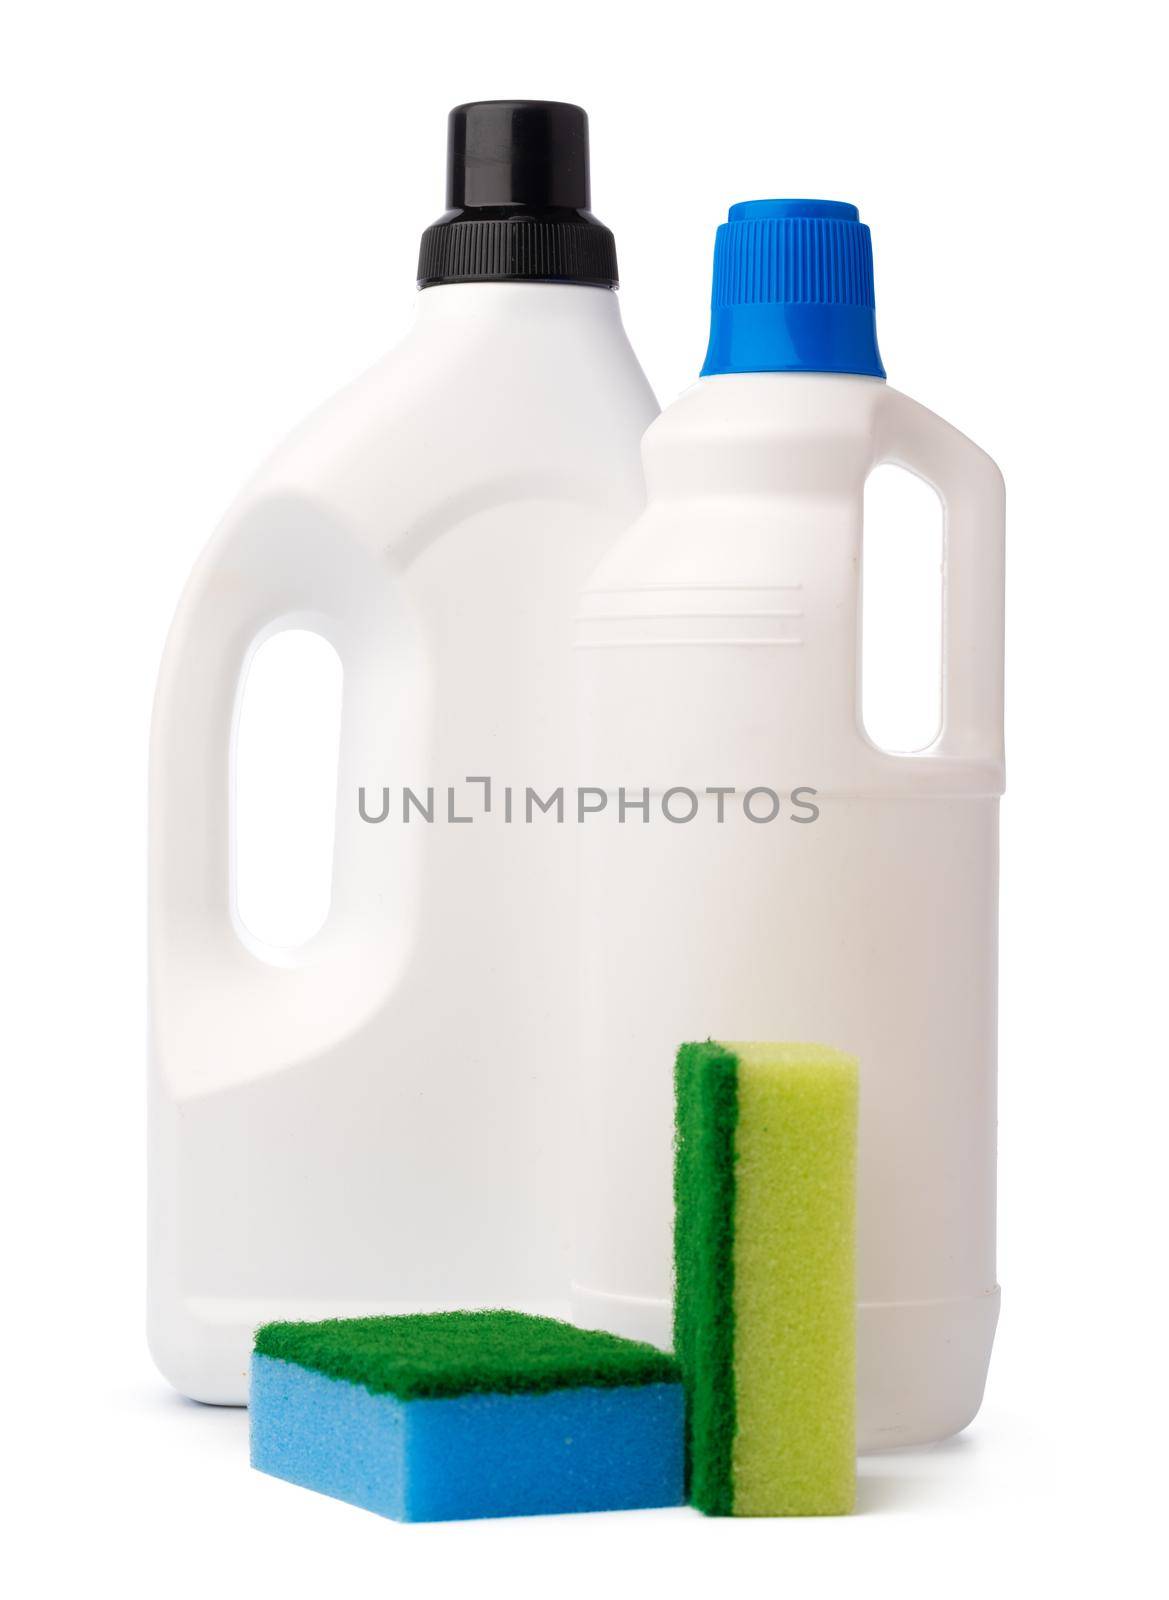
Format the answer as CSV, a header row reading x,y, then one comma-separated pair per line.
x,y
467,1414
765,1295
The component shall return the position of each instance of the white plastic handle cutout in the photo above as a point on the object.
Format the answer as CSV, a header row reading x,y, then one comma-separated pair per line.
x,y
970,487
284,799
901,611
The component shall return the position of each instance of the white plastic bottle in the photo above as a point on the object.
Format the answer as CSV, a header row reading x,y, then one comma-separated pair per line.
x,y
373,1122
848,895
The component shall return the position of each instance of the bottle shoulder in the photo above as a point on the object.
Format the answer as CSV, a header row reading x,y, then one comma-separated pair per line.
x,y
766,402
744,470
467,399
787,432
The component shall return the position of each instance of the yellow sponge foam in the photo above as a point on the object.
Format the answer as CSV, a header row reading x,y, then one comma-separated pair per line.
x,y
765,1249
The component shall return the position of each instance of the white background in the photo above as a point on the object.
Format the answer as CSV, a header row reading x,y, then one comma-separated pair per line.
x,y
211,215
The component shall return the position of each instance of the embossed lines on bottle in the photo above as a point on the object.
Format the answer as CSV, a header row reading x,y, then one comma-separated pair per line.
x,y
694,614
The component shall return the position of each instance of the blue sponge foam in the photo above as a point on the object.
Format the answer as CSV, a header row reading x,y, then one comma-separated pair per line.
x,y
474,1455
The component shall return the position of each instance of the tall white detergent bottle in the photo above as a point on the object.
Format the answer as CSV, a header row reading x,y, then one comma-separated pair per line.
x,y
373,1121
760,869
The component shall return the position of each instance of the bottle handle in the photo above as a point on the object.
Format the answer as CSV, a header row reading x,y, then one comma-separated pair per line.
x,y
970,487
221,1011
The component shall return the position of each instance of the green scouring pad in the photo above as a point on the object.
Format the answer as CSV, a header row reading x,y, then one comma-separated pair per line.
x,y
765,1294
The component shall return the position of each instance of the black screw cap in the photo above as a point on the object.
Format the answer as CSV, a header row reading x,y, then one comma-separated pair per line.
x,y
517,199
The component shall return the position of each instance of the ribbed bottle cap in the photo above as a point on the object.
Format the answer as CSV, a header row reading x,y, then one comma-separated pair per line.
x,y
517,199
793,290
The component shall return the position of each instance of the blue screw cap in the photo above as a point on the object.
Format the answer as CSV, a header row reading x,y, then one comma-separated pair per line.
x,y
793,290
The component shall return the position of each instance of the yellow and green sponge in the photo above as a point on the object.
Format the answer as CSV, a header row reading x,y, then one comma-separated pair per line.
x,y
765,1294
